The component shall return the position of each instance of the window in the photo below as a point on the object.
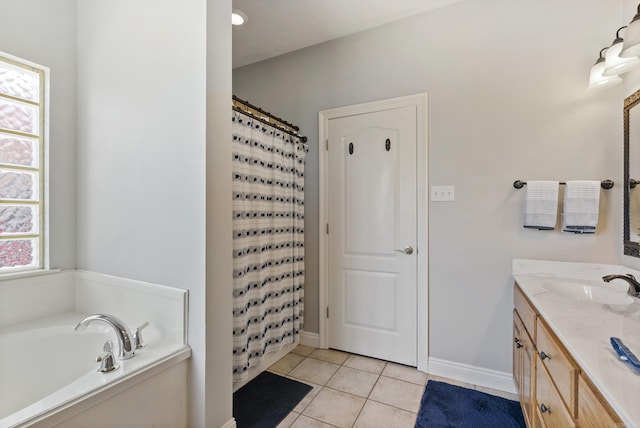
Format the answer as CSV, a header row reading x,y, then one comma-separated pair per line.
x,y
22,130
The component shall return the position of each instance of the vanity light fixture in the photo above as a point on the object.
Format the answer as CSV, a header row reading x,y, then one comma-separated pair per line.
x,y
631,44
597,80
614,64
238,17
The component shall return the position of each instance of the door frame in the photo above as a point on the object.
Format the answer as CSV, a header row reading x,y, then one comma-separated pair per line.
x,y
420,101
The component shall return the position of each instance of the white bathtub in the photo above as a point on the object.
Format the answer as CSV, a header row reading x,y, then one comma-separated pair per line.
x,y
48,371
47,366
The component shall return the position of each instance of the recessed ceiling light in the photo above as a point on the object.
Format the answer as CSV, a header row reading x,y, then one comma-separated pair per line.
x,y
238,17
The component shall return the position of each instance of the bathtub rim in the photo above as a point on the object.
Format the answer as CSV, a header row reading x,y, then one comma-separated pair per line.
x,y
77,405
85,292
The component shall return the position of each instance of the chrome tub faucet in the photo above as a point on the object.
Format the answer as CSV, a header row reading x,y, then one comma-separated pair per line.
x,y
634,285
125,338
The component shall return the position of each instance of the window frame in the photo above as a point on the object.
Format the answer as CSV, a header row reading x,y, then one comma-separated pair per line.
x,y
42,169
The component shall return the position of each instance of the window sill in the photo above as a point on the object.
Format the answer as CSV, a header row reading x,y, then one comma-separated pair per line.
x,y
27,273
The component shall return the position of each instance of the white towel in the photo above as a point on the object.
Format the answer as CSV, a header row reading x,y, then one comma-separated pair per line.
x,y
541,205
581,206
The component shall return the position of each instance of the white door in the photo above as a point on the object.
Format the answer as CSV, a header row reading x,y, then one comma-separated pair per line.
x,y
372,240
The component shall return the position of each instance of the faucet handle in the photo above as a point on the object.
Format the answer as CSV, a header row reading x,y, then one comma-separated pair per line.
x,y
137,336
106,359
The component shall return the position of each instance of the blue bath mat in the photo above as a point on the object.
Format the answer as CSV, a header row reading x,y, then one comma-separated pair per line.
x,y
449,406
267,400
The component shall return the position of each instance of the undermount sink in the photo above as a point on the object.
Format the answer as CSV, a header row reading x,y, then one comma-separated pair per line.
x,y
588,293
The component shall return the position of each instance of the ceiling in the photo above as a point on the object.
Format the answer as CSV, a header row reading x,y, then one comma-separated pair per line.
x,y
275,27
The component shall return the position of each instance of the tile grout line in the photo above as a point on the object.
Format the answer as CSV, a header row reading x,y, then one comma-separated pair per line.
x,y
379,375
365,398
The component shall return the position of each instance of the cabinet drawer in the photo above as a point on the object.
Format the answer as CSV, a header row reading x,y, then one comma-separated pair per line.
x,y
593,410
526,311
550,408
561,367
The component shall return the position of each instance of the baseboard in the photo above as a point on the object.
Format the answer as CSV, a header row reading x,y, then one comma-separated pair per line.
x,y
310,339
230,424
493,379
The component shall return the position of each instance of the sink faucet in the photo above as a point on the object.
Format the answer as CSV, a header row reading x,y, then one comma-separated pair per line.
x,y
127,348
634,285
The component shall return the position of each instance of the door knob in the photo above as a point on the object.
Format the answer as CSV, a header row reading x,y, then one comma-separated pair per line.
x,y
408,250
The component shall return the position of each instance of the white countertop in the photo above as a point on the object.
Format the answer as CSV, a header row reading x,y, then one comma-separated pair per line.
x,y
585,328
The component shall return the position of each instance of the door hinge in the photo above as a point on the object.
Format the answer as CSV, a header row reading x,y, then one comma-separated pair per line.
x,y
327,311
326,144
327,228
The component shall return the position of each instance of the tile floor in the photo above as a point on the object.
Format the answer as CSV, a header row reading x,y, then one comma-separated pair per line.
x,y
355,391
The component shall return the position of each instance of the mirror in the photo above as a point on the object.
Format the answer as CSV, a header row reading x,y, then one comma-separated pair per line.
x,y
632,175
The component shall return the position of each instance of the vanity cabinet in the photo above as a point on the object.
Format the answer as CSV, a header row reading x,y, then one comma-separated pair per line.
x,y
552,389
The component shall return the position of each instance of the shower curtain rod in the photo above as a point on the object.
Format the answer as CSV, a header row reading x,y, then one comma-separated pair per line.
x,y
279,127
282,124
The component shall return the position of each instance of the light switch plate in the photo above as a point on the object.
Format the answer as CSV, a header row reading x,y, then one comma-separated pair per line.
x,y
443,193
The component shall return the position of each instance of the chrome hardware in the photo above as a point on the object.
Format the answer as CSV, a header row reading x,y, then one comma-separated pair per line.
x,y
123,333
137,336
107,360
543,356
634,285
408,250
605,184
517,342
545,409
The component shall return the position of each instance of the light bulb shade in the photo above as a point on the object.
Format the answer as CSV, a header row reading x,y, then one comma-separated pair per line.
x,y
631,44
598,81
238,17
614,65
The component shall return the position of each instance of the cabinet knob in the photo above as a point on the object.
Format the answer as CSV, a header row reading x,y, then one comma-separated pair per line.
x,y
543,356
545,409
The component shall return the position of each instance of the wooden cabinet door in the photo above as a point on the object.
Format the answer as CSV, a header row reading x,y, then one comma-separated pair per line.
x,y
525,311
593,410
528,378
523,359
517,354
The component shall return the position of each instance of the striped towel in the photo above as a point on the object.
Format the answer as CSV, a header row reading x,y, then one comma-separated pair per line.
x,y
581,206
541,205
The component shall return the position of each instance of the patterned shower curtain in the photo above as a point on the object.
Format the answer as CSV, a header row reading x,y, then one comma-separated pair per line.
x,y
268,240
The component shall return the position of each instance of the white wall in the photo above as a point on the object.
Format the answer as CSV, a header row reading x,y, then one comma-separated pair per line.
x,y
144,137
44,32
141,132
152,80
218,304
506,82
